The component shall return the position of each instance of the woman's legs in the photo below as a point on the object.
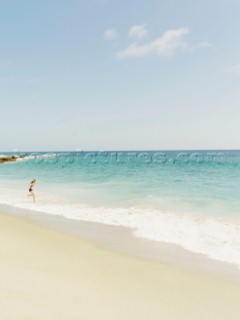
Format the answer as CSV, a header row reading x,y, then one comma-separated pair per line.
x,y
31,194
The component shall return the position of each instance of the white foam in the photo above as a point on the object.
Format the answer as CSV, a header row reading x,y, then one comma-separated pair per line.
x,y
37,156
218,238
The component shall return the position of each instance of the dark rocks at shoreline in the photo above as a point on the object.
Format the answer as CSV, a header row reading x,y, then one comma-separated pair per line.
x,y
4,159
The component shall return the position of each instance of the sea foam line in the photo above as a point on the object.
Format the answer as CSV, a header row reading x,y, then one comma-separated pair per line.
x,y
216,238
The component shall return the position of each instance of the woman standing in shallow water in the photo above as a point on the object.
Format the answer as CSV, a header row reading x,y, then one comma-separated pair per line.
x,y
32,184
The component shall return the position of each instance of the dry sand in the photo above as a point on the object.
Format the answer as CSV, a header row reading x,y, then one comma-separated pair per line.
x,y
48,275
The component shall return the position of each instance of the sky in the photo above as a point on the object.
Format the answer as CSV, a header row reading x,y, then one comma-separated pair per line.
x,y
119,75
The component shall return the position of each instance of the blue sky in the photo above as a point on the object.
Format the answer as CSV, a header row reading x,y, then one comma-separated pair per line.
x,y
108,74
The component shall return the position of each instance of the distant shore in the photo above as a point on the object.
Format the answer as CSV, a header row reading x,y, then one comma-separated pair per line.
x,y
10,158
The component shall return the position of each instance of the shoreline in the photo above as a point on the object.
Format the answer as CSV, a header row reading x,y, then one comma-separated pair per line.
x,y
49,275
121,240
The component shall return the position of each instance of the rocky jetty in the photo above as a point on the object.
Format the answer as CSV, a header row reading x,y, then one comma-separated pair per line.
x,y
10,158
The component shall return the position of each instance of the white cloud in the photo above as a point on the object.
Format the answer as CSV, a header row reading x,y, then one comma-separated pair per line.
x,y
110,34
205,44
138,31
166,45
201,45
35,95
236,68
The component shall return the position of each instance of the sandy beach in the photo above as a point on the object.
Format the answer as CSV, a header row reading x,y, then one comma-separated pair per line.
x,y
119,160
47,274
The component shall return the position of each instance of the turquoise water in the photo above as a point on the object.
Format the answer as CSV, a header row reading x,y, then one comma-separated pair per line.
x,y
183,197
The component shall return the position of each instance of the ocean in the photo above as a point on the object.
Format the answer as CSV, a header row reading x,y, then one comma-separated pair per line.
x,y
187,198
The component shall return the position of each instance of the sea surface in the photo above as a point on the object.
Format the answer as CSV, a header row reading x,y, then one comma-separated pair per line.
x,y
188,198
